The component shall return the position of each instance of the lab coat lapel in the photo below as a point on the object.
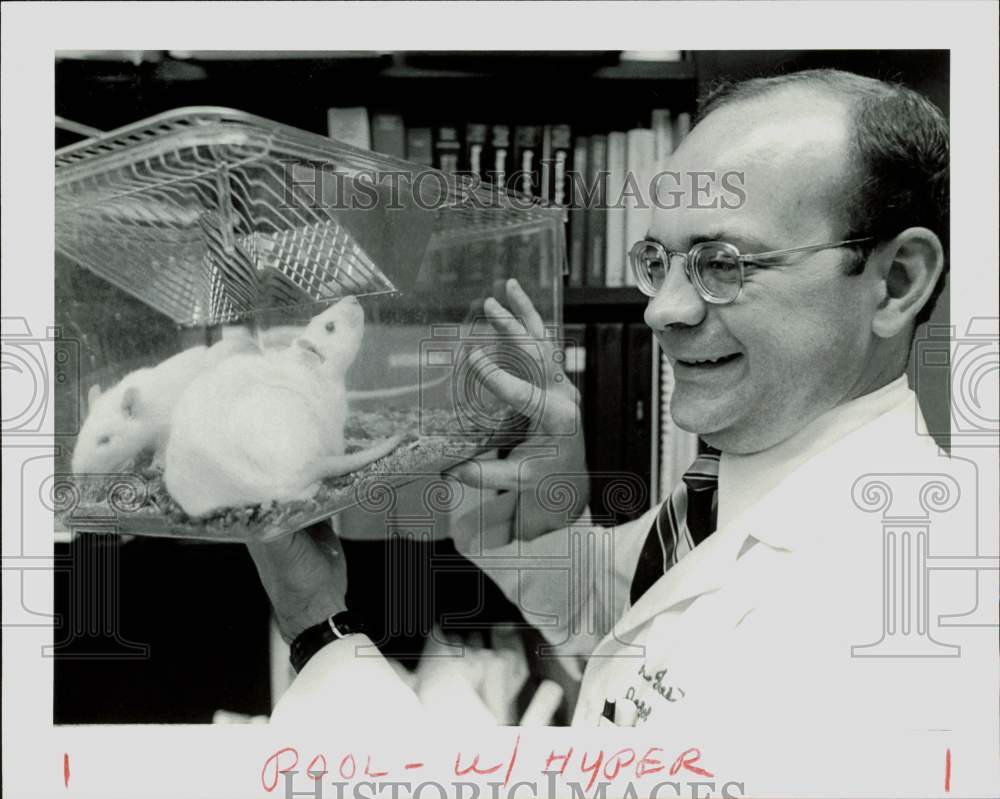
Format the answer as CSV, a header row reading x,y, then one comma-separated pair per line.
x,y
702,570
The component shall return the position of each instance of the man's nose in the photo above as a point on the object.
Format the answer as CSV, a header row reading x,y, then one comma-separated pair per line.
x,y
677,302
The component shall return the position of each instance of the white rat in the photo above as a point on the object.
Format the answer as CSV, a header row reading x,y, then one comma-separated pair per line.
x,y
269,426
134,415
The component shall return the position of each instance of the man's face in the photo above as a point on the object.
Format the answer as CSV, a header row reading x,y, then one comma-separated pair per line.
x,y
798,341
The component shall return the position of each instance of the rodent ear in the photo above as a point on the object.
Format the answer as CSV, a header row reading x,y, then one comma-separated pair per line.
x,y
130,401
92,395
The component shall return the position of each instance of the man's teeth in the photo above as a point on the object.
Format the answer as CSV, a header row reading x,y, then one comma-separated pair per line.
x,y
697,361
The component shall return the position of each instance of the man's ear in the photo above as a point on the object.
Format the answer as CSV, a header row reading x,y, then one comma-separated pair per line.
x,y
909,269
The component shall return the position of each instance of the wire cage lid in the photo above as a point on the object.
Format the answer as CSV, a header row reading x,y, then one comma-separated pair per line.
x,y
210,215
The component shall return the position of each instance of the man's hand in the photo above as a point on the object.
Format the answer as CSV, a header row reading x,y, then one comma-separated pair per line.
x,y
305,576
554,449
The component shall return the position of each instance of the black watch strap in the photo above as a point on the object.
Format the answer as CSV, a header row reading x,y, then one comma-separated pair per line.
x,y
308,642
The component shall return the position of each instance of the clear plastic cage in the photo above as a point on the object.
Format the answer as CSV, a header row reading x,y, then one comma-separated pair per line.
x,y
244,307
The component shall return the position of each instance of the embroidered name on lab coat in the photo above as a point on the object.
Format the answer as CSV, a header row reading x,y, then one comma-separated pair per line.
x,y
655,682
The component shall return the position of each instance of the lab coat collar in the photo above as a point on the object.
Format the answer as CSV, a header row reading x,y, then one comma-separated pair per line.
x,y
809,459
745,479
765,518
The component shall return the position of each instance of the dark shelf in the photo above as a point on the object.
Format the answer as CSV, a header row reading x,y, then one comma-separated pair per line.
x,y
582,296
599,304
626,70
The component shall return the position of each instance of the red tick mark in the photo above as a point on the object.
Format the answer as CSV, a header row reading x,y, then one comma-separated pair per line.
x,y
413,765
947,771
65,769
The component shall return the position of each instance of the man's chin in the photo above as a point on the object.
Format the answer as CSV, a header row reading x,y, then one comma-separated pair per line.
x,y
700,417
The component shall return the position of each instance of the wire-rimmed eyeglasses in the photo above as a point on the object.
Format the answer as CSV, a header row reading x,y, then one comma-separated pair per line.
x,y
715,268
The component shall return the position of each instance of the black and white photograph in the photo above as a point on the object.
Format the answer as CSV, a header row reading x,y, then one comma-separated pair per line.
x,y
567,417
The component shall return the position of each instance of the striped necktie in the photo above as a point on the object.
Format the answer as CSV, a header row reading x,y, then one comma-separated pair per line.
x,y
685,520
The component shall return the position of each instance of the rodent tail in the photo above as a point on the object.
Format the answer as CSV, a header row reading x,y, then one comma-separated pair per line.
x,y
395,391
336,465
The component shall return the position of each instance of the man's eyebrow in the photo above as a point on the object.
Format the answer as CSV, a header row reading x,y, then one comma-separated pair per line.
x,y
744,243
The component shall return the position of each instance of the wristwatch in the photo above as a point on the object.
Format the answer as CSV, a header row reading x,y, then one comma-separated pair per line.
x,y
308,642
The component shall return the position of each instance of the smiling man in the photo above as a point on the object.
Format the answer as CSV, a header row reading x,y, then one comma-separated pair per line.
x,y
750,593
806,334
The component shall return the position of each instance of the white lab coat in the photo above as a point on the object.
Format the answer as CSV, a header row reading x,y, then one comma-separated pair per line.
x,y
757,624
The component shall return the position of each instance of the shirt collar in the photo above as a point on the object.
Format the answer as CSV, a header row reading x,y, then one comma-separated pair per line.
x,y
745,479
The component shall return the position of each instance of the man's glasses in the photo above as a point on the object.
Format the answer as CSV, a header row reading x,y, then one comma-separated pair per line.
x,y
715,268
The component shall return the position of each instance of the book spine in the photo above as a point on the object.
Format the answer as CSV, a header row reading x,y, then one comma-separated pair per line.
x,y
499,164
474,154
578,214
350,126
562,163
640,167
639,412
527,159
605,393
614,252
447,149
663,133
575,360
682,126
597,210
545,166
419,146
389,135
678,448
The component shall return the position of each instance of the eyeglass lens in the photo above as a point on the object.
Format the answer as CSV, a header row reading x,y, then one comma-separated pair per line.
x,y
716,269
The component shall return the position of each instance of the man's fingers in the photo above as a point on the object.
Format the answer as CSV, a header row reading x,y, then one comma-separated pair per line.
x,y
522,304
500,474
326,539
487,526
504,321
522,395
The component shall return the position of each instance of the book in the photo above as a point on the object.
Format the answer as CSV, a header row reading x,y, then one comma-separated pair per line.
x,y
545,166
678,448
596,188
389,135
614,244
473,159
527,160
682,125
663,135
562,162
499,162
447,149
605,390
578,213
659,56
349,125
640,164
419,146
575,361
639,416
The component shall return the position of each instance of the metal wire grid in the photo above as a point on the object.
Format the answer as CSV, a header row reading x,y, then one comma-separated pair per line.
x,y
187,211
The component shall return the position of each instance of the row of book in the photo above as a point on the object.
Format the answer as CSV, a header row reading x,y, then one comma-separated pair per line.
x,y
602,179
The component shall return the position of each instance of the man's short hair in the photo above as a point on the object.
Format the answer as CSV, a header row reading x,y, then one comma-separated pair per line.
x,y
899,152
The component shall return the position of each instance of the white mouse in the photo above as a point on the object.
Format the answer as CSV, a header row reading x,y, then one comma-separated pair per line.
x,y
134,415
269,426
